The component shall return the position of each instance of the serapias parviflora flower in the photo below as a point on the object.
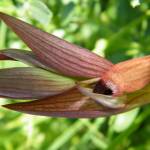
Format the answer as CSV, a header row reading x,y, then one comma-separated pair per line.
x,y
65,80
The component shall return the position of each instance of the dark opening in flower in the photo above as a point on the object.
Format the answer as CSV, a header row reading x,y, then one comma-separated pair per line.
x,y
101,88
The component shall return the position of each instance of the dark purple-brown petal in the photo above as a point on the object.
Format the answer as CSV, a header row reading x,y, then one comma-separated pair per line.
x,y
61,55
24,56
71,104
32,83
4,57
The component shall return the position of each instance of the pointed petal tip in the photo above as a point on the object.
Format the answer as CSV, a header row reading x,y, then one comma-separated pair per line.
x,y
3,15
19,107
4,57
8,106
5,106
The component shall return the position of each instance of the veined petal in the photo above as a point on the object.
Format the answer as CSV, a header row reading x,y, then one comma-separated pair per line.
x,y
32,83
24,56
128,76
61,55
71,104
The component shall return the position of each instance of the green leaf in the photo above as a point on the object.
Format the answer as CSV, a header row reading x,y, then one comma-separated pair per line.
x,y
39,11
125,120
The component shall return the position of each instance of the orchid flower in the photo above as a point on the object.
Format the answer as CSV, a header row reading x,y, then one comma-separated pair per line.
x,y
65,80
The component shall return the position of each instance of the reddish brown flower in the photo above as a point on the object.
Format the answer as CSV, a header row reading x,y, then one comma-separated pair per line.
x,y
65,80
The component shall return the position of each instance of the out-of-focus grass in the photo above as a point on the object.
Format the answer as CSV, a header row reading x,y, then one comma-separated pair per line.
x,y
116,29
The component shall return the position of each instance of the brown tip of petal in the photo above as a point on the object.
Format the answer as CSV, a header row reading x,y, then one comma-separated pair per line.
x,y
4,57
10,106
1,14
15,107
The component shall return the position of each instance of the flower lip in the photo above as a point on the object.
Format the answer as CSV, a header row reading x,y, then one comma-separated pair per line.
x,y
98,90
104,100
99,86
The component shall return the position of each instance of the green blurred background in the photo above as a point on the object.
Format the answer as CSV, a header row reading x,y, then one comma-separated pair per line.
x,y
116,29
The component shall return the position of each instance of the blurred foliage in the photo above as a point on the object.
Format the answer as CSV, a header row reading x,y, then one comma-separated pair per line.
x,y
116,29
